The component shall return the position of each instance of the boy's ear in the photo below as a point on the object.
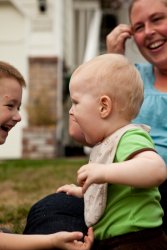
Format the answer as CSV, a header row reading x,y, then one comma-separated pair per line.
x,y
105,106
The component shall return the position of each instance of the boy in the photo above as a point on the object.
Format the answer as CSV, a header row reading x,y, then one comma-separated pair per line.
x,y
120,182
11,84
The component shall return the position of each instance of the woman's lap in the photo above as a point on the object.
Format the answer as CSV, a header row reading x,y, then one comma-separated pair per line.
x,y
56,212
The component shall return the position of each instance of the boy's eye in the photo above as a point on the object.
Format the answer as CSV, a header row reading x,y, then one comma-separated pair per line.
x,y
10,105
13,106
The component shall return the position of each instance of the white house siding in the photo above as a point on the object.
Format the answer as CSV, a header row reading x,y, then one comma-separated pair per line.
x,y
25,32
13,50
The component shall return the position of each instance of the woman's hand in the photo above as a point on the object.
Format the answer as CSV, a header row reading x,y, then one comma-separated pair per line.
x,y
116,39
71,189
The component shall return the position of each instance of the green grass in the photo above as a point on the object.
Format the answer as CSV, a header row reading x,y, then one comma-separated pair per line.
x,y
23,182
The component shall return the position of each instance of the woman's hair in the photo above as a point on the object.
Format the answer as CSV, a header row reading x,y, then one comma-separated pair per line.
x,y
134,1
9,71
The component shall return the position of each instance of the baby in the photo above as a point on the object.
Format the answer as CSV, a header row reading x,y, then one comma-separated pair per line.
x,y
119,184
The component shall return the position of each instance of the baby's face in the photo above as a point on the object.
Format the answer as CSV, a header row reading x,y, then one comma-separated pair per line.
x,y
85,108
10,101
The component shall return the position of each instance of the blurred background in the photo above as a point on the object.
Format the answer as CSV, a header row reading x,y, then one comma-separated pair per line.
x,y
46,40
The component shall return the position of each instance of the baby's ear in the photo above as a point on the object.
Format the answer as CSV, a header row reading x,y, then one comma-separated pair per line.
x,y
105,106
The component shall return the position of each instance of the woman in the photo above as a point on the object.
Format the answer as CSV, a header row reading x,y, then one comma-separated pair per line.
x,y
149,29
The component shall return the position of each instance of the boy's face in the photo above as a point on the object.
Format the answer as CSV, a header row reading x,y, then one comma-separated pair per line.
x,y
10,101
84,108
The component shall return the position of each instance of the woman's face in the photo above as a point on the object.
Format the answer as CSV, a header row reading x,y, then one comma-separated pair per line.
x,y
149,24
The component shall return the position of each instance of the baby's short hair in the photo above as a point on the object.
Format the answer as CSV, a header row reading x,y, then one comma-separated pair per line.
x,y
124,84
9,71
114,75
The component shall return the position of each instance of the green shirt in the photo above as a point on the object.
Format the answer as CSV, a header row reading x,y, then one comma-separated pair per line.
x,y
130,209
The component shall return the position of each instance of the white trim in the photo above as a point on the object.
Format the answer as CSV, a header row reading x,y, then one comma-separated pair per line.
x,y
93,37
82,5
19,7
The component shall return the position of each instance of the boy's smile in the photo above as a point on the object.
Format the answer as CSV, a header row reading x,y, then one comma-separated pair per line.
x,y
10,101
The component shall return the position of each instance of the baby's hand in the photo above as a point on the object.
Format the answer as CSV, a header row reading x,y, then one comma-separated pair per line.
x,y
91,173
71,189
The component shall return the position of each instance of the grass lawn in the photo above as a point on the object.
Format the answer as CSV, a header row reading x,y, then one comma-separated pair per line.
x,y
23,182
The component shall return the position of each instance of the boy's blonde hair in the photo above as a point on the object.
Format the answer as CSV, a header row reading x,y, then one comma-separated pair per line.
x,y
115,76
9,71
